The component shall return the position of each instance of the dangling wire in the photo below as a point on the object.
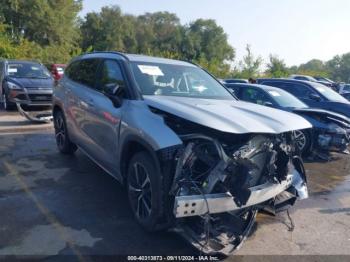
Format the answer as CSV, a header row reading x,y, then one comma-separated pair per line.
x,y
291,227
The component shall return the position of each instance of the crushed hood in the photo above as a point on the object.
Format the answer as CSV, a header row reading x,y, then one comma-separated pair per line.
x,y
229,115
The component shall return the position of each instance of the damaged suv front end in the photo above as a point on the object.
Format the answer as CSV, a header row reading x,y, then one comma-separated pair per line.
x,y
221,179
193,158
234,159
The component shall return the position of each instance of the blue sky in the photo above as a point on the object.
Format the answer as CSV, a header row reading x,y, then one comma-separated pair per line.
x,y
295,30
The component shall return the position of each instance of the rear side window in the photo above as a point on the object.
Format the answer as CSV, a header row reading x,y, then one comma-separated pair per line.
x,y
83,71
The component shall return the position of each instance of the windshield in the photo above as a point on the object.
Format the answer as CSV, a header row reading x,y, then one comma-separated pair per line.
x,y
60,69
329,93
177,80
27,70
285,99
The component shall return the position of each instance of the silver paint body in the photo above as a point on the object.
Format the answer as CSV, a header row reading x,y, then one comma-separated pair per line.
x,y
102,130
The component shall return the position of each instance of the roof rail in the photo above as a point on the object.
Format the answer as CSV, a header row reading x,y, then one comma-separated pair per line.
x,y
107,52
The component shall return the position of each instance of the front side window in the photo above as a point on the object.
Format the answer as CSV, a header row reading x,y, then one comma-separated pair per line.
x,y
111,74
27,70
162,79
285,99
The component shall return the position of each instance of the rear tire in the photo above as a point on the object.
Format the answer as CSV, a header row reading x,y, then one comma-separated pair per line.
x,y
64,145
145,191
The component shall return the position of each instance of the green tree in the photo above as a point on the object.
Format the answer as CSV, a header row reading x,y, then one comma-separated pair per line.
x,y
315,65
109,30
339,67
45,22
250,65
158,32
49,24
276,67
205,39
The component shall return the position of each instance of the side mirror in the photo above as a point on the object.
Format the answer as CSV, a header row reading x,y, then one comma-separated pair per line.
x,y
269,104
113,91
315,97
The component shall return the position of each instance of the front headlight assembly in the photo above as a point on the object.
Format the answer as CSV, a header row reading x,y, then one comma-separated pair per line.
x,y
13,86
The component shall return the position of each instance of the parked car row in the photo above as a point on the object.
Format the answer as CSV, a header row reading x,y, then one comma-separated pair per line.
x,y
330,130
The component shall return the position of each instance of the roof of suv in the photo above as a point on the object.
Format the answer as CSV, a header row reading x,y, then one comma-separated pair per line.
x,y
136,58
284,80
20,61
264,87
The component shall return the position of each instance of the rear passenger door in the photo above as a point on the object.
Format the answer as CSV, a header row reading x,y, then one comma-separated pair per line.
x,y
82,78
102,119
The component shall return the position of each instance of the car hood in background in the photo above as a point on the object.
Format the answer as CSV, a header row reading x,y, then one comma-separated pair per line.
x,y
322,112
338,107
32,82
229,115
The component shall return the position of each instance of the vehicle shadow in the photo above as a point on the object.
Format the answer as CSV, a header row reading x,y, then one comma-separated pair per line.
x,y
77,194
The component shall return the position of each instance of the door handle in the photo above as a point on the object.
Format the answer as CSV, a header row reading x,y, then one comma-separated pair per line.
x,y
87,103
90,102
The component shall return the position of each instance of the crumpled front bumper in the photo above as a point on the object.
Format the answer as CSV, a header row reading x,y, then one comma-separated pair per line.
x,y
196,205
335,142
32,96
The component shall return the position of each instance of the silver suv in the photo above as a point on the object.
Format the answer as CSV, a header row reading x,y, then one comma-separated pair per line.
x,y
193,158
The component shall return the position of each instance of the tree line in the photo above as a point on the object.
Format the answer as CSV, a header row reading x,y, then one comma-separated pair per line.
x,y
51,31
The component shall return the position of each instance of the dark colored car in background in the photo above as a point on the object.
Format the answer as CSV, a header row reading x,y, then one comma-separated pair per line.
x,y
330,130
346,95
57,71
311,79
234,80
344,88
25,82
313,94
331,83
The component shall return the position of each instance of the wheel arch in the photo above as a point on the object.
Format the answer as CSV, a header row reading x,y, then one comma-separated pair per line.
x,y
55,109
132,145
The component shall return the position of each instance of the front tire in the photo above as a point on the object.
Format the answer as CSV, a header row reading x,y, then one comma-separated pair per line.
x,y
64,145
303,141
6,104
145,191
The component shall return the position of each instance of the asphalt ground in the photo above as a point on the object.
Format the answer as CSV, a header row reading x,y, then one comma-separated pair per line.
x,y
52,204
